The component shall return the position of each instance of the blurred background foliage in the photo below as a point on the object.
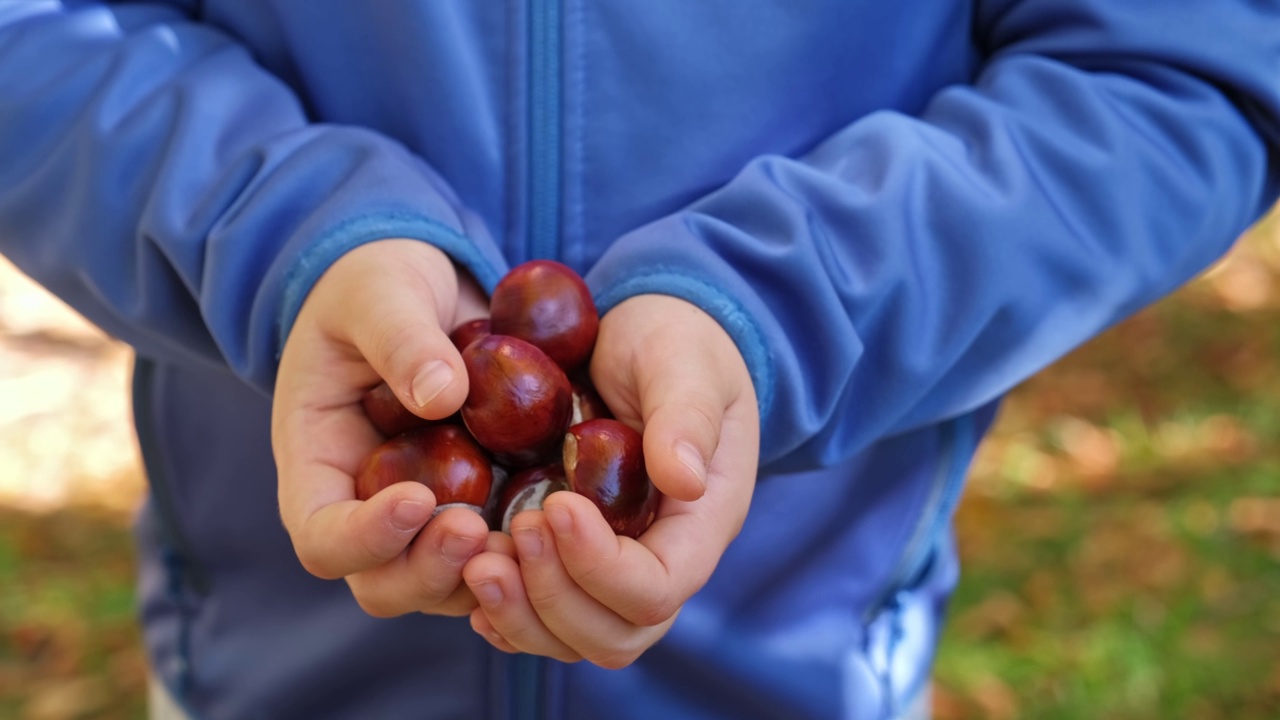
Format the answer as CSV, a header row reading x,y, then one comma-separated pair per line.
x,y
1120,533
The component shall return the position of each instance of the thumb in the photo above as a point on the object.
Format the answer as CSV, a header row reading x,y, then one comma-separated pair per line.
x,y
400,334
681,431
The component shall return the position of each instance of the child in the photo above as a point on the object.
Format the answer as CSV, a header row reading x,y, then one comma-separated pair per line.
x,y
825,239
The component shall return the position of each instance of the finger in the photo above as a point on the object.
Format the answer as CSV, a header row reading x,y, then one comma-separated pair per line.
x,y
317,450
480,623
428,578
680,436
348,536
682,409
373,599
402,340
501,543
621,573
495,581
596,632
646,581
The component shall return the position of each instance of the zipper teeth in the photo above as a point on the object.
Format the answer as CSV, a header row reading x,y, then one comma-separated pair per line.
x,y
526,671
948,484
544,128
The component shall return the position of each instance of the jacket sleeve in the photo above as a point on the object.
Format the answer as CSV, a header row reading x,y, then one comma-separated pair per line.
x,y
174,192
911,269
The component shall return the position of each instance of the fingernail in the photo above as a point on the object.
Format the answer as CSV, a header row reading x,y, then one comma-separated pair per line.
x,y
430,381
560,519
457,550
488,593
409,515
689,456
528,543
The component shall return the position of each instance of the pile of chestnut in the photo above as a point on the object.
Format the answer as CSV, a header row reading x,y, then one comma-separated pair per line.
x,y
532,423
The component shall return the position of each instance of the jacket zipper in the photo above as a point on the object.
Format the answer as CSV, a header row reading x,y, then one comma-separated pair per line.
x,y
957,444
526,673
544,128
948,483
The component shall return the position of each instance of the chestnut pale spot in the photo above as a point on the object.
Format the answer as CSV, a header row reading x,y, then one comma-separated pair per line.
x,y
570,452
604,461
587,403
526,491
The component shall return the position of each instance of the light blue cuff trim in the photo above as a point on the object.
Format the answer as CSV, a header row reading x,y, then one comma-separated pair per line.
x,y
731,315
315,260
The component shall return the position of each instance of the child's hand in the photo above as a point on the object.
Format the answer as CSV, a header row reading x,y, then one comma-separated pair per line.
x,y
578,591
381,311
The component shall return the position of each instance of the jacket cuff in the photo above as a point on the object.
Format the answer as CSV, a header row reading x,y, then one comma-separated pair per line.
x,y
634,268
312,262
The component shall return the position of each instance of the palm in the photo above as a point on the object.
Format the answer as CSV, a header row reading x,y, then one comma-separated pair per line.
x,y
381,312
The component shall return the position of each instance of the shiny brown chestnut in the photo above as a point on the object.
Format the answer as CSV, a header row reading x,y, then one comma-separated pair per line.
x,y
525,491
519,400
604,460
469,332
546,303
442,457
387,414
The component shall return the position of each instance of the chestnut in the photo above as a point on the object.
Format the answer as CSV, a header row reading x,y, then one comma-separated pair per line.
x,y
469,332
519,400
587,403
604,460
546,303
525,491
442,457
387,414
500,476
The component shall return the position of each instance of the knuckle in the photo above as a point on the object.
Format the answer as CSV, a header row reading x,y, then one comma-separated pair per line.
x,y
313,564
701,418
434,588
615,658
652,611
543,597
587,571
456,606
521,637
568,657
375,606
370,542
395,337
375,609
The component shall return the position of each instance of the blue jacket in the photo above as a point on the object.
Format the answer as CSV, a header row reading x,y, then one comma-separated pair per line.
x,y
898,210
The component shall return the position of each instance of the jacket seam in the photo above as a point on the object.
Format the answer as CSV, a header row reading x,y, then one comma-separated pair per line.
x,y
942,495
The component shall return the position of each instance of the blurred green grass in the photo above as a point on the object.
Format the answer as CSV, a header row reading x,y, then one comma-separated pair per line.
x,y
69,643
1120,536
1121,531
